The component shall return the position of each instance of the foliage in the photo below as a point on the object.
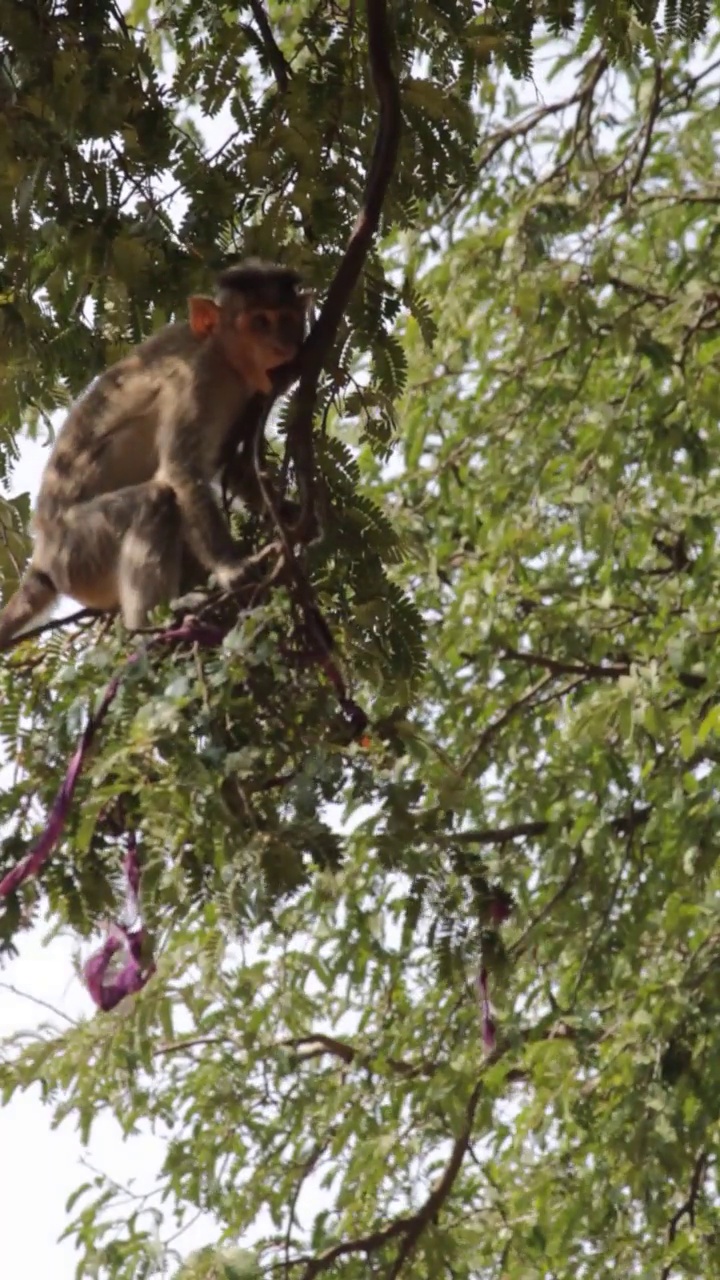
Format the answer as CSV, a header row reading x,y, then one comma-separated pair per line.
x,y
540,328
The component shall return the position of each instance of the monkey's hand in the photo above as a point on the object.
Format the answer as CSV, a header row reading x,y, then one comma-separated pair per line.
x,y
232,576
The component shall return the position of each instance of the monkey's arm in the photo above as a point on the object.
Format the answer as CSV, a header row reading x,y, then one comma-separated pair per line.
x,y
183,466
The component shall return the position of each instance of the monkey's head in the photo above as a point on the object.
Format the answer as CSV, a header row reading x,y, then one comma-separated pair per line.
x,y
259,318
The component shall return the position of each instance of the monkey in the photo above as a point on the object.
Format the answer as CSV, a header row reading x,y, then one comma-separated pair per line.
x,y
125,500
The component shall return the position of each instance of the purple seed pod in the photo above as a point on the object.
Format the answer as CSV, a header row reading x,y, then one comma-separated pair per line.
x,y
489,1036
107,992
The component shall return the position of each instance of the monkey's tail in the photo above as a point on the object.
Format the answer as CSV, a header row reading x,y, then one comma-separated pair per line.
x,y
34,597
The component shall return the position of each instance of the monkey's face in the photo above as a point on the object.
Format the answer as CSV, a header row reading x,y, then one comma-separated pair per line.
x,y
258,321
275,334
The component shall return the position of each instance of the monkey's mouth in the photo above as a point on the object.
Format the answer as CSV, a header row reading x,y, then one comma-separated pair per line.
x,y
280,355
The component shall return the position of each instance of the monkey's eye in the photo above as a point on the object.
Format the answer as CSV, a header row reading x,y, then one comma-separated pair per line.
x,y
260,322
291,328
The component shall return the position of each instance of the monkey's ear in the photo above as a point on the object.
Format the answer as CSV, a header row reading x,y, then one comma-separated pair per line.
x,y
204,316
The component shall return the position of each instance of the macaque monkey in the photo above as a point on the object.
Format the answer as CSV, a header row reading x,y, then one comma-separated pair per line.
x,y
125,501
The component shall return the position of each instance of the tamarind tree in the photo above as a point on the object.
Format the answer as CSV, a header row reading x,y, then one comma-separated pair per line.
x,y
421,830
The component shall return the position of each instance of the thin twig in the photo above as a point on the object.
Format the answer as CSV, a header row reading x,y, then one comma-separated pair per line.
x,y
43,1004
308,1167
653,113
517,948
489,733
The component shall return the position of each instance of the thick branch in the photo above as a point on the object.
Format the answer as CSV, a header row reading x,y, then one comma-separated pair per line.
x,y
363,1244
437,1198
592,670
316,1046
382,166
310,359
319,1044
562,668
314,352
500,835
410,1228
522,830
275,55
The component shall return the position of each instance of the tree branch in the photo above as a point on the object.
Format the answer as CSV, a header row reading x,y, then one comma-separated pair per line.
x,y
192,1042
363,1244
500,835
687,1208
653,114
592,74
592,670
518,947
309,361
316,1046
382,167
42,1004
275,56
411,1228
520,830
87,616
437,1198
560,668
504,718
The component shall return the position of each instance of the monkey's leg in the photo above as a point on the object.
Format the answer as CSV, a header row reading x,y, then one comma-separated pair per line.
x,y
118,549
32,601
79,553
151,555
76,556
